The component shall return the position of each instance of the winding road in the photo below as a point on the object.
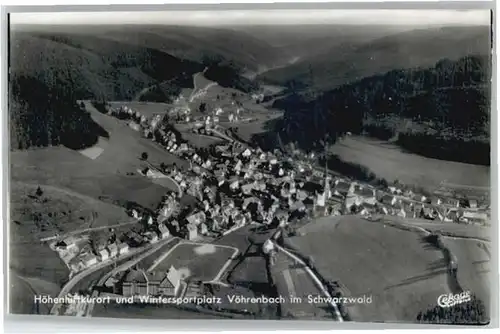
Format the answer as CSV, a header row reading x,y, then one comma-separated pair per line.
x,y
81,275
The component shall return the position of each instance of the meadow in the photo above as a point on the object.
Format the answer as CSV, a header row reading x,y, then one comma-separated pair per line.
x,y
395,267
390,162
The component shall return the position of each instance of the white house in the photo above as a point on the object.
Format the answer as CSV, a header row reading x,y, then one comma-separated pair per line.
x,y
436,201
246,153
104,254
123,248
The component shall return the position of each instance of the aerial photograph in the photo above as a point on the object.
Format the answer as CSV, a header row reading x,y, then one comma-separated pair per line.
x,y
327,165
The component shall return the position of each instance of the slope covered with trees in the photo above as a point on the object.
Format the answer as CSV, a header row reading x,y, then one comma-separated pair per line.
x,y
43,116
441,111
350,61
62,67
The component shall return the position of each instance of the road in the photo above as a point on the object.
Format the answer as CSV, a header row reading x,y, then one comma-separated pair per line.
x,y
125,266
449,230
179,189
91,229
81,275
316,280
197,91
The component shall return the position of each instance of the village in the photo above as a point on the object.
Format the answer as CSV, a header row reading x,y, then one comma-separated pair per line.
x,y
231,185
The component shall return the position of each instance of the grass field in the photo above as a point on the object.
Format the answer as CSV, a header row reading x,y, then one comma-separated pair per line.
x,y
78,193
395,267
22,291
474,266
390,162
55,211
112,176
250,269
292,281
196,261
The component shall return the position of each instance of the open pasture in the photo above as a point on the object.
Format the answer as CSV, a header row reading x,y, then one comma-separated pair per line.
x,y
392,163
111,177
403,274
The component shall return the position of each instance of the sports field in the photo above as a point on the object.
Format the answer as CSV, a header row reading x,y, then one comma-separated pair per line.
x,y
205,262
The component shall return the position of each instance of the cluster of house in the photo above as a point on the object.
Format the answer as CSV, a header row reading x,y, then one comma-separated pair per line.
x,y
366,200
84,258
250,185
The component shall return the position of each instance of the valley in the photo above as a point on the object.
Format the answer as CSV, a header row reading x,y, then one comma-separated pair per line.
x,y
191,163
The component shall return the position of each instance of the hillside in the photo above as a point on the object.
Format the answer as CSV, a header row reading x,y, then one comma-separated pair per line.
x,y
62,67
93,66
306,41
440,112
350,60
183,42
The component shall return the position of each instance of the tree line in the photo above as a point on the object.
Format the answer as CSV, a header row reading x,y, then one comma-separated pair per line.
x,y
412,104
472,312
42,116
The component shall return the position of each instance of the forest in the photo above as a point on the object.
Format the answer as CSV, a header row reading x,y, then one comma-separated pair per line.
x,y
42,116
442,112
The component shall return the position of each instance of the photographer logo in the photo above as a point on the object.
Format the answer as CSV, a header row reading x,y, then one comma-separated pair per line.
x,y
449,300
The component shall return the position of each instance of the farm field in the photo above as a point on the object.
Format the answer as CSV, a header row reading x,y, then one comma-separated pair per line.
x,y
473,266
195,260
250,269
22,291
402,274
292,280
111,177
33,217
392,163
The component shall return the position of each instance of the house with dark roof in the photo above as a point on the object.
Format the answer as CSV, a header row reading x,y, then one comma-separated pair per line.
x,y
141,283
